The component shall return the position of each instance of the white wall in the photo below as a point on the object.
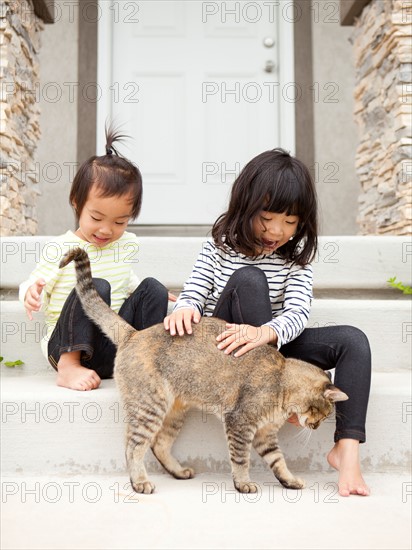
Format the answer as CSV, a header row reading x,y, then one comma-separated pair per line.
x,y
336,135
57,149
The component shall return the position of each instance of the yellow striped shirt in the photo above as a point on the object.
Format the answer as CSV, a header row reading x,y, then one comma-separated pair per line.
x,y
113,262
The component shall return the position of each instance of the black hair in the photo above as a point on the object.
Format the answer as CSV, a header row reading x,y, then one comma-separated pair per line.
x,y
113,175
273,181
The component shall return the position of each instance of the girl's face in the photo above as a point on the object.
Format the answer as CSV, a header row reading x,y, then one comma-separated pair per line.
x,y
273,230
103,220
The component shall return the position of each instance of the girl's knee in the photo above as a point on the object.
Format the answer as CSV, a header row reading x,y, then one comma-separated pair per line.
x,y
355,339
103,288
355,335
249,275
152,285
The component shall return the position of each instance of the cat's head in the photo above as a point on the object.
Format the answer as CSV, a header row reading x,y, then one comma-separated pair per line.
x,y
313,393
320,407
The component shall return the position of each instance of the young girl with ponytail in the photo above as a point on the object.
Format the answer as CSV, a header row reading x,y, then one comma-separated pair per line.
x,y
106,193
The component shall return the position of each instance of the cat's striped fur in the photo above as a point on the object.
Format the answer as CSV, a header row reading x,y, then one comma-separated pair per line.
x,y
160,376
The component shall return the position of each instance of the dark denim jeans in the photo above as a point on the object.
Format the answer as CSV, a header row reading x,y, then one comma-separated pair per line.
x,y
74,331
245,299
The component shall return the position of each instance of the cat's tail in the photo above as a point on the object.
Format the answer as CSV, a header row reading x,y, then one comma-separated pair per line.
x,y
99,312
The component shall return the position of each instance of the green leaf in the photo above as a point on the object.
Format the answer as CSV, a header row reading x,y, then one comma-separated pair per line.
x,y
12,364
406,289
1,359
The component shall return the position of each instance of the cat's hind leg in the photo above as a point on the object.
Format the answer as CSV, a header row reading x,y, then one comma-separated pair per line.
x,y
267,445
144,420
163,442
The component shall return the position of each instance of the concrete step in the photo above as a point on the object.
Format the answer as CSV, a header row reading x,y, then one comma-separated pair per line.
x,y
48,430
101,512
343,262
387,323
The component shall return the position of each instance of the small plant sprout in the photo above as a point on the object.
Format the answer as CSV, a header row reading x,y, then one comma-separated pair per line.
x,y
11,364
405,289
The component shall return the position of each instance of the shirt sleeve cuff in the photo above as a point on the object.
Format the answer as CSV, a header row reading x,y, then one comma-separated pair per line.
x,y
273,326
187,303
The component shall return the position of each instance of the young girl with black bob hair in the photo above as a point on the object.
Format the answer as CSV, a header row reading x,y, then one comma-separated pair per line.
x,y
106,193
256,275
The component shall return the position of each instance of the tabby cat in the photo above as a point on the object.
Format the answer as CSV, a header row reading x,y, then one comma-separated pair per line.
x,y
160,376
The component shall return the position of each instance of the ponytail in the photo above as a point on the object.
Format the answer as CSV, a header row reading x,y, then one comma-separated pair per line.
x,y
113,175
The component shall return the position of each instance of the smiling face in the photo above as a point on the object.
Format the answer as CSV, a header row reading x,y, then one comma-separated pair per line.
x,y
273,230
103,220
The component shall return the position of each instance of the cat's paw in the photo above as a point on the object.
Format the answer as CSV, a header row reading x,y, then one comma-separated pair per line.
x,y
185,473
246,486
145,487
295,483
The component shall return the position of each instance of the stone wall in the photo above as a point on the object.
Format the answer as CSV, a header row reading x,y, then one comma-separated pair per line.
x,y
19,116
383,102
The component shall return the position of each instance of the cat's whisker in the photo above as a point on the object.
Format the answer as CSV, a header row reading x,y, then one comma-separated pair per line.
x,y
308,436
307,432
296,436
301,435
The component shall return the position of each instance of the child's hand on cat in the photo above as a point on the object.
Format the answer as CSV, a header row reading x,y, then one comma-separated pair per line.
x,y
181,320
245,337
32,300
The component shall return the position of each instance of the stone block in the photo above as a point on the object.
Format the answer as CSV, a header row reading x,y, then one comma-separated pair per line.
x,y
19,114
383,98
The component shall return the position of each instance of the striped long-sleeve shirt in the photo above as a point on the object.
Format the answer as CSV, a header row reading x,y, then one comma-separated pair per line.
x,y
113,262
290,287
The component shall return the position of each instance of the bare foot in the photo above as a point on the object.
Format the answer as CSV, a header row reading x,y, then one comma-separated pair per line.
x,y
71,374
344,457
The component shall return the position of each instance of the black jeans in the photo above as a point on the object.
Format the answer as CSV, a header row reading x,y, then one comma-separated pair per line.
x,y
245,299
74,331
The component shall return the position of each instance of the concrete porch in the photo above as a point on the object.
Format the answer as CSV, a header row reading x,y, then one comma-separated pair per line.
x,y
64,482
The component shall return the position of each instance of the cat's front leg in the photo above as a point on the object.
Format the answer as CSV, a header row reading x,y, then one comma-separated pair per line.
x,y
267,445
239,439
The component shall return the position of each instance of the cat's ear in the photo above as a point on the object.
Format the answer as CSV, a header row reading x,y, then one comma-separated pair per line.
x,y
334,394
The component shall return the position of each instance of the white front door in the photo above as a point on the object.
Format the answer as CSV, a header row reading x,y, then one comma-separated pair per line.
x,y
201,87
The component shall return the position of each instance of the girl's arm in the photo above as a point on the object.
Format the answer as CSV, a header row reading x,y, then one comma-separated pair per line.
x,y
296,306
284,327
201,281
33,297
40,282
190,304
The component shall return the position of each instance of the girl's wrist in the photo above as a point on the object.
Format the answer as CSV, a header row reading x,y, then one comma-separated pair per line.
x,y
271,335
